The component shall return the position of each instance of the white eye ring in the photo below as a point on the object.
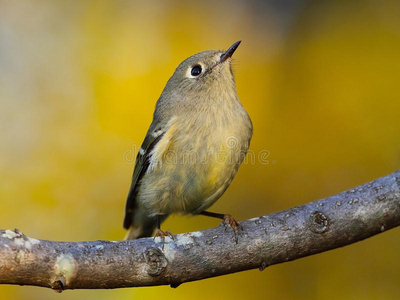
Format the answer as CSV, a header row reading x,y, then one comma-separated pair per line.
x,y
195,71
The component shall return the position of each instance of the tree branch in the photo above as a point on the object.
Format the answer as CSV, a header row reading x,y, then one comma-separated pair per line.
x,y
318,226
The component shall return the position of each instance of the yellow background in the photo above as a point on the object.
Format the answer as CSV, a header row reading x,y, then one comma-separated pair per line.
x,y
320,80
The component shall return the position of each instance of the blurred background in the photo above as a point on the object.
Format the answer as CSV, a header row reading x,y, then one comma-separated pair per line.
x,y
320,80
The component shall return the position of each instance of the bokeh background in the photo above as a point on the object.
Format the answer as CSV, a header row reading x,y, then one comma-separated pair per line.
x,y
320,79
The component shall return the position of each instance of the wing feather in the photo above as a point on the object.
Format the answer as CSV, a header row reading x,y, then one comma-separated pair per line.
x,y
141,165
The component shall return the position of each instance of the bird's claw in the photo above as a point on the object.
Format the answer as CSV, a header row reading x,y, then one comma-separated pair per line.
x,y
162,234
230,221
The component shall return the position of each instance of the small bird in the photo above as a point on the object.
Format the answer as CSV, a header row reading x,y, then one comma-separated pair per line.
x,y
199,136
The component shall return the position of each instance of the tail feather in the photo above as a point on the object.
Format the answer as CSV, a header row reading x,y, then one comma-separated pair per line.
x,y
143,225
139,232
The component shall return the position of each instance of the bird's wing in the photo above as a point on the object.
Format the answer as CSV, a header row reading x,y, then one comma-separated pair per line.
x,y
150,154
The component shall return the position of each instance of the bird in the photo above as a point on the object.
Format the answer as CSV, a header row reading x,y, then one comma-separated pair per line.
x,y
197,140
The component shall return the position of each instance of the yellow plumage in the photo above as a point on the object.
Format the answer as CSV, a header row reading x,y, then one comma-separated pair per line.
x,y
194,147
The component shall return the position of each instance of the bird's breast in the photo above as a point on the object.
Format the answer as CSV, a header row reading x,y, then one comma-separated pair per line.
x,y
195,161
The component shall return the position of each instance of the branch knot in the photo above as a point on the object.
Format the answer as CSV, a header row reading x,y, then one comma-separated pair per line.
x,y
318,222
156,261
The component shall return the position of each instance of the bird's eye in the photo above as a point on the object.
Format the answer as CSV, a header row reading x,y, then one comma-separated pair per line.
x,y
196,70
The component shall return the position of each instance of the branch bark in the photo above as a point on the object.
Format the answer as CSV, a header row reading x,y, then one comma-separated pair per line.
x,y
312,228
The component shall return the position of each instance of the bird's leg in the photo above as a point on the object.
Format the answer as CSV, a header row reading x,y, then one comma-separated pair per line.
x,y
162,234
228,220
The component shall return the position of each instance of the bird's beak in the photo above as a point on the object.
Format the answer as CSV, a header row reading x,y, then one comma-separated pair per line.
x,y
225,56
229,52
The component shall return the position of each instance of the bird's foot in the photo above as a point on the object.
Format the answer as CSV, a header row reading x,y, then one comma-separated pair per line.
x,y
230,221
162,234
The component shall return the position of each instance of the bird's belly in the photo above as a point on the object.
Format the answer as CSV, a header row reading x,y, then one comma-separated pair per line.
x,y
188,181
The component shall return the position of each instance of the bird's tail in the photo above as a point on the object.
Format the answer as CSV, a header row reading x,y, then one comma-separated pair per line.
x,y
142,226
139,232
